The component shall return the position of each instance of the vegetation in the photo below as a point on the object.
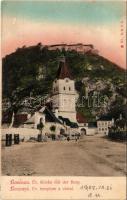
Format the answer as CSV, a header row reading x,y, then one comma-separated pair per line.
x,y
31,70
117,134
53,128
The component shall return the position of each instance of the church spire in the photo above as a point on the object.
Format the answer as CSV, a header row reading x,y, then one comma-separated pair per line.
x,y
63,70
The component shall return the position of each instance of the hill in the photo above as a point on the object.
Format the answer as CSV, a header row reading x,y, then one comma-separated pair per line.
x,y
31,71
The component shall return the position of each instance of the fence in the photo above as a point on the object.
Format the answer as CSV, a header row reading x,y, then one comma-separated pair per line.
x,y
117,135
24,133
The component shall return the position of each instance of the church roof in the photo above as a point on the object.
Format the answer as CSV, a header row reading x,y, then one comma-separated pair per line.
x,y
63,71
80,118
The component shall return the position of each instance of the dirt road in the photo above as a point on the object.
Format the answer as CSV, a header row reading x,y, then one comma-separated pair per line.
x,y
92,156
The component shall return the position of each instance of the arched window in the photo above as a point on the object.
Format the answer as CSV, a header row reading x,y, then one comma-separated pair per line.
x,y
69,88
64,88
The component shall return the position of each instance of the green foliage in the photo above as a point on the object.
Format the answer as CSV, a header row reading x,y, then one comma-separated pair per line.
x,y
116,134
53,128
20,71
40,126
106,92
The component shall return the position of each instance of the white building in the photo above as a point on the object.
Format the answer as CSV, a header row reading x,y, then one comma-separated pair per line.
x,y
62,110
104,123
64,94
62,113
85,127
48,119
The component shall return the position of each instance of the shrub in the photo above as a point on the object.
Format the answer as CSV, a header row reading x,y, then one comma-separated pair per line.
x,y
117,134
53,128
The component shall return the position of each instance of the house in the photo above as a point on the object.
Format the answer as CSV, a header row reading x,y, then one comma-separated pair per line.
x,y
82,123
21,116
85,127
48,119
104,123
62,112
92,128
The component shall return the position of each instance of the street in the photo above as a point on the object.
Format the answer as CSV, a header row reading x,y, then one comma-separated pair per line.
x,y
91,156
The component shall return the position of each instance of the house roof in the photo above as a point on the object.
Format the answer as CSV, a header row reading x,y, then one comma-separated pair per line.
x,y
92,124
63,71
31,120
68,122
105,118
80,118
49,116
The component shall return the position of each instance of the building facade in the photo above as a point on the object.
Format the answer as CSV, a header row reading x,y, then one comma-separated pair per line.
x,y
103,124
64,94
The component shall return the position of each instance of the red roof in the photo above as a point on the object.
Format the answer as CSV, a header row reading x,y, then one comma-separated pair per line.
x,y
63,71
80,118
20,118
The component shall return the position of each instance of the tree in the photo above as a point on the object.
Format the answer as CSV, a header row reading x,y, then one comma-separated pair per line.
x,y
53,128
40,127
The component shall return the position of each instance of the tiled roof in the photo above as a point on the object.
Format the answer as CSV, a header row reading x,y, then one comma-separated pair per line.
x,y
31,120
105,118
68,122
50,117
80,118
63,71
92,124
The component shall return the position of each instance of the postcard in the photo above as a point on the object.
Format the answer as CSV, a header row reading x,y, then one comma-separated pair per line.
x,y
63,100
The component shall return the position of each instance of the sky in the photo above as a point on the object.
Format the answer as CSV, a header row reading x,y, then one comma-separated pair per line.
x,y
101,23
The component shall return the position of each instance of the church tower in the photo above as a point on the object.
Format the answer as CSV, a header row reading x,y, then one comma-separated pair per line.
x,y
64,93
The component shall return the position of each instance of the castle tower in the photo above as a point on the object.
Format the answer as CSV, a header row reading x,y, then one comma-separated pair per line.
x,y
63,97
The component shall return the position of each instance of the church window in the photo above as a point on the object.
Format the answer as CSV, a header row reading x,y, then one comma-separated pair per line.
x,y
64,88
69,88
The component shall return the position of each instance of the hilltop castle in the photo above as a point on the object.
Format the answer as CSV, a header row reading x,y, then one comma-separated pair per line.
x,y
78,47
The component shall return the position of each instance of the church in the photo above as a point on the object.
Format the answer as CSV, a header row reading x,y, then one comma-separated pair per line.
x,y
61,110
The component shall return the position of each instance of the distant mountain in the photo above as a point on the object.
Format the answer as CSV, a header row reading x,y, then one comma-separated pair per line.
x,y
31,70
